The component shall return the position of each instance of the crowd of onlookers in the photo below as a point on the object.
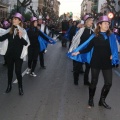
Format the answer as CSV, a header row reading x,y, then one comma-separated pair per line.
x,y
54,28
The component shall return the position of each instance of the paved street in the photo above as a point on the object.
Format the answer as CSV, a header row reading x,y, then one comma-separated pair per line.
x,y
53,96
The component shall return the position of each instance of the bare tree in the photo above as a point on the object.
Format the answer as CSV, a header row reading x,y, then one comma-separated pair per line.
x,y
25,3
33,12
111,6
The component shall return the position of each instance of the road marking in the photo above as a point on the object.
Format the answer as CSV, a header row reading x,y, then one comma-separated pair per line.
x,y
117,72
16,81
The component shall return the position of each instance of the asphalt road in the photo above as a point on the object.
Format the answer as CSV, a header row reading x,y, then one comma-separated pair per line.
x,y
53,96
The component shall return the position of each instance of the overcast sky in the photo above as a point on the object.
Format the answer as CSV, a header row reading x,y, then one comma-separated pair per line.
x,y
70,6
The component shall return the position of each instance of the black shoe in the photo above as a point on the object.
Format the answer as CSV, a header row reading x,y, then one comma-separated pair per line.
x,y
76,82
90,102
43,67
21,91
91,97
4,64
103,103
76,78
87,83
104,94
9,88
81,72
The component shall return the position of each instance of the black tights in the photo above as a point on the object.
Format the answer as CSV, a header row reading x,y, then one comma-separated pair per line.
x,y
77,66
107,74
41,58
11,62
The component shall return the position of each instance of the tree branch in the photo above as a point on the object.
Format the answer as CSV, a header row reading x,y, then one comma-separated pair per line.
x,y
31,9
25,3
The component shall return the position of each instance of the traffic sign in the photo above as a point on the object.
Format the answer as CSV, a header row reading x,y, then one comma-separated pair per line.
x,y
110,15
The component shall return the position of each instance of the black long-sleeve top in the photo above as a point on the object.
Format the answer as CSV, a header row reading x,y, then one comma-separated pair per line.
x,y
15,45
86,34
101,53
72,32
33,34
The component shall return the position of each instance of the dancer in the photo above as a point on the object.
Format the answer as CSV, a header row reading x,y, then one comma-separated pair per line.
x,y
34,48
16,51
102,53
81,36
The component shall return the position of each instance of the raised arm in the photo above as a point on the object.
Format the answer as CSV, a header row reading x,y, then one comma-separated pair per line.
x,y
4,37
87,49
43,36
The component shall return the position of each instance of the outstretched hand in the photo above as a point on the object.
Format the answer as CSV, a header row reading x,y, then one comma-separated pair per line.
x,y
50,41
75,53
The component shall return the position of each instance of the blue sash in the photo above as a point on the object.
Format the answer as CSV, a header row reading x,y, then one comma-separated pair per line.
x,y
51,39
82,57
114,49
118,37
43,43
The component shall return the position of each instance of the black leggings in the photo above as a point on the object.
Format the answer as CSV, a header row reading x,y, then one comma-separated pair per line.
x,y
11,62
41,58
107,74
32,58
77,66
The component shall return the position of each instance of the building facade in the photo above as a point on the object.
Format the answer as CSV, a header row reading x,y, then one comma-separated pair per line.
x,y
3,9
50,5
95,6
86,6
